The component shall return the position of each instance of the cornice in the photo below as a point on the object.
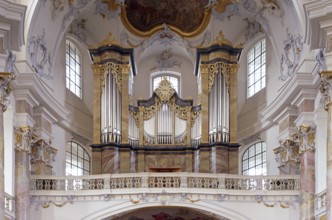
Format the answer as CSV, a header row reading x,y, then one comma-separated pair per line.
x,y
301,83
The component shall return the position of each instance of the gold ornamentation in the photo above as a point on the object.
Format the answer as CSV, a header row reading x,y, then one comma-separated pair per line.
x,y
149,112
225,69
134,201
326,88
42,151
194,115
180,111
135,116
305,136
288,151
220,7
108,41
165,90
5,88
23,138
112,5
221,40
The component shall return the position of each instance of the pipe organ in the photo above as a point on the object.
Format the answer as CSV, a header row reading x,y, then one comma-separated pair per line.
x,y
164,132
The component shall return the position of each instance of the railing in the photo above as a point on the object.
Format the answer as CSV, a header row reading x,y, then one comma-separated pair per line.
x,y
166,180
10,205
320,203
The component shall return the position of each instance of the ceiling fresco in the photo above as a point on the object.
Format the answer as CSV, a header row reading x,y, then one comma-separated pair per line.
x,y
185,16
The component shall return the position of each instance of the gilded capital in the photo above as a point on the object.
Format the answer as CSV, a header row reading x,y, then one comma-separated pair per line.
x,y
288,151
326,88
5,88
305,137
23,138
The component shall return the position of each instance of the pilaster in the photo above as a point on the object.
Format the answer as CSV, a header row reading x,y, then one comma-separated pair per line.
x,y
205,103
97,71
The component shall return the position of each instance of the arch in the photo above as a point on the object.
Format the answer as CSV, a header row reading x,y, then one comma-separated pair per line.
x,y
245,155
201,205
78,160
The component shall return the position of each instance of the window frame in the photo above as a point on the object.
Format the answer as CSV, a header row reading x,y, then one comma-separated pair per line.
x,y
73,54
256,68
246,156
167,74
85,158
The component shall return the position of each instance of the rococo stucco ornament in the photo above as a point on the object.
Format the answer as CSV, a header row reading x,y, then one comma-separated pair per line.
x,y
291,55
77,28
5,88
40,56
326,88
24,137
305,137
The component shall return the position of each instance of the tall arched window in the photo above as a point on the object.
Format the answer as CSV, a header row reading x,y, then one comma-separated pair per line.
x,y
77,160
254,160
73,69
173,79
256,68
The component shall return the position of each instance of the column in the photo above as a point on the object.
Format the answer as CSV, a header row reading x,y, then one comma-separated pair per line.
x,y
305,137
23,139
5,89
205,103
326,90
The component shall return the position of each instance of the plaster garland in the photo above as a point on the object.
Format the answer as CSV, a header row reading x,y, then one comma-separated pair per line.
x,y
290,58
5,88
40,56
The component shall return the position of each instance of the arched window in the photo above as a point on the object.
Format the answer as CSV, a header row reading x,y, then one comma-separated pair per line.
x,y
254,160
77,160
73,69
256,68
173,79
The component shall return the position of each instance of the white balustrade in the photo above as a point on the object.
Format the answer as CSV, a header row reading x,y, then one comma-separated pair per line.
x,y
166,180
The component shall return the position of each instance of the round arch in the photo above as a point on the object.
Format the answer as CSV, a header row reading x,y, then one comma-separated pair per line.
x,y
212,208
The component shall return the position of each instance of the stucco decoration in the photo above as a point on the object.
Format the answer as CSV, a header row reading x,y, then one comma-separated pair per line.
x,y
24,137
57,6
40,56
74,11
167,38
291,55
10,62
5,88
108,8
272,7
287,152
253,28
231,10
305,136
166,60
326,88
320,58
77,28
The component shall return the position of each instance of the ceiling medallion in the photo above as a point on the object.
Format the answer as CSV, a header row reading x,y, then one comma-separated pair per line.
x,y
187,18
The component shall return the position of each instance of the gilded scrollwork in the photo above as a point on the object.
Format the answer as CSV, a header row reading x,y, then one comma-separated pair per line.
x,y
180,111
150,111
326,88
135,116
165,90
303,140
5,88
24,137
194,115
43,151
305,137
224,68
288,151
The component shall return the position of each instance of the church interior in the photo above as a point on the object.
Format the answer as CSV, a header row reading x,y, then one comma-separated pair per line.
x,y
165,109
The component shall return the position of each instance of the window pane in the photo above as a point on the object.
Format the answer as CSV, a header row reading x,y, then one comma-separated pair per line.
x,y
75,164
73,69
256,64
254,160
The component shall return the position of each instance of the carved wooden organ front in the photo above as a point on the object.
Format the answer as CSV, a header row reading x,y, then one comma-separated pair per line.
x,y
165,131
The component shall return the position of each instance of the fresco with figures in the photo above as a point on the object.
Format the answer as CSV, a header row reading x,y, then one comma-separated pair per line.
x,y
187,15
